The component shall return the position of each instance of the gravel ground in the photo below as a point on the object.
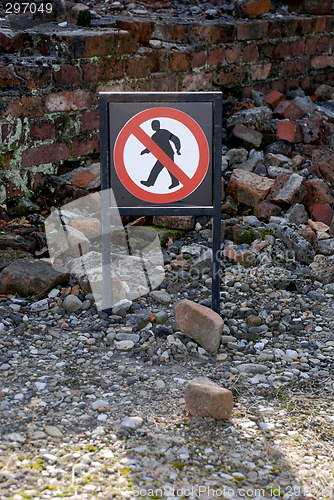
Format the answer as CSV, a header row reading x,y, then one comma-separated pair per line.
x,y
93,408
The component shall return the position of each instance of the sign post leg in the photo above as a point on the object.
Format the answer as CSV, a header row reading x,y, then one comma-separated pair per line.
x,y
216,236
106,248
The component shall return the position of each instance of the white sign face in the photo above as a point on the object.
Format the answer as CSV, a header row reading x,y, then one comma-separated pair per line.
x,y
161,155
140,166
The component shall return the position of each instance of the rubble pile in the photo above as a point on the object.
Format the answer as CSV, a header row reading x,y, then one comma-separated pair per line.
x,y
279,174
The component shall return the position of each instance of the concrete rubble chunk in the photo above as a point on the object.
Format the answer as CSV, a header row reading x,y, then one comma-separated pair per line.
x,y
248,188
199,323
290,110
255,118
297,214
326,247
205,398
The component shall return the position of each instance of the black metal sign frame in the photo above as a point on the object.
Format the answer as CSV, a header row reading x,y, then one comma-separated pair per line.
x,y
108,173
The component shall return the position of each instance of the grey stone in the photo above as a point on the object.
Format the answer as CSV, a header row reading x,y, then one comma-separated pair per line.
x,y
122,307
303,250
256,118
161,317
161,296
322,268
326,247
40,305
237,155
252,368
132,422
274,171
137,321
71,303
53,431
297,214
124,345
134,337
203,264
100,403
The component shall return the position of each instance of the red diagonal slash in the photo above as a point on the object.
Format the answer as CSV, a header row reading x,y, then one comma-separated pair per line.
x,y
161,155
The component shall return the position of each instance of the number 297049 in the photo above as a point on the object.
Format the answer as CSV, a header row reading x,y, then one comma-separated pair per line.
x,y
28,8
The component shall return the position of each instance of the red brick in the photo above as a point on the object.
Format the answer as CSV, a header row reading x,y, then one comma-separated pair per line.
x,y
293,68
324,44
320,25
261,72
282,28
212,33
198,59
105,69
139,67
247,135
239,254
141,29
68,101
256,30
318,192
322,212
230,76
289,131
26,106
205,398
311,45
233,55
7,131
297,48
274,98
13,44
86,146
179,62
288,109
250,53
323,161
66,76
248,188
34,76
198,82
265,209
90,120
44,154
216,56
8,79
309,235
320,62
199,323
310,6
282,50
41,131
254,8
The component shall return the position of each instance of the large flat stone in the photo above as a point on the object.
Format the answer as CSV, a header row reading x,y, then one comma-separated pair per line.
x,y
28,277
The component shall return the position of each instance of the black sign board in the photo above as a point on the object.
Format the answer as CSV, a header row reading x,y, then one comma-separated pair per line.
x,y
161,155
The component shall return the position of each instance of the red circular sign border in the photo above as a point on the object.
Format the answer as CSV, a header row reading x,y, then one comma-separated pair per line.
x,y
136,121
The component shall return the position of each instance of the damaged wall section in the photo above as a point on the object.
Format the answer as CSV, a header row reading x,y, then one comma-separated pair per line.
x,y
50,77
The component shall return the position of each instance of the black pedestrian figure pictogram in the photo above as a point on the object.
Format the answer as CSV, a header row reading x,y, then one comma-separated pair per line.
x,y
163,139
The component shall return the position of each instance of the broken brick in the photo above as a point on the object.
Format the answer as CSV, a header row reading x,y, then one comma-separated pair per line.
x,y
274,98
322,212
254,8
290,110
317,192
265,209
205,398
248,188
289,131
247,135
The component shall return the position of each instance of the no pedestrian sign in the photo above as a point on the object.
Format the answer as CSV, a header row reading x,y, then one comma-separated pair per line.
x,y
160,153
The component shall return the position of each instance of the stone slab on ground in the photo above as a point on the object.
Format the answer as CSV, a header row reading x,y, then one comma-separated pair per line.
x,y
182,222
199,323
29,277
205,398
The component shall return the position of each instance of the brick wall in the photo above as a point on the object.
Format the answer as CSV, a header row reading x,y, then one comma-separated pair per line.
x,y
50,80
